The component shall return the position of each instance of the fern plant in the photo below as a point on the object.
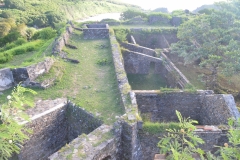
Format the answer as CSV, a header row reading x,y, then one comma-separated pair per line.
x,y
12,134
181,143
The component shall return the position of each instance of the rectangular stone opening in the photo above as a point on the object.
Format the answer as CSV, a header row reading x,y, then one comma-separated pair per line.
x,y
55,127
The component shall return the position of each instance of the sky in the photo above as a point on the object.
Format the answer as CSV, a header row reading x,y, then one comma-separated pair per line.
x,y
170,4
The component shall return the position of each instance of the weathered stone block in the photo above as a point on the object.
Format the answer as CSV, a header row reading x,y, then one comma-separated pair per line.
x,y
6,79
20,75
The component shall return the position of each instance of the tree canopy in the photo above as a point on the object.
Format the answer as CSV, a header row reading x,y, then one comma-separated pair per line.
x,y
213,41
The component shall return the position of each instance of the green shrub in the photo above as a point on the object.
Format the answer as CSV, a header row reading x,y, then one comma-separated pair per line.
x,y
4,57
36,35
156,128
30,48
129,14
47,33
18,51
20,41
10,46
121,35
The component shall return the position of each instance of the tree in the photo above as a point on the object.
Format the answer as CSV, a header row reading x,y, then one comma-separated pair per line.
x,y
12,134
4,28
129,14
212,40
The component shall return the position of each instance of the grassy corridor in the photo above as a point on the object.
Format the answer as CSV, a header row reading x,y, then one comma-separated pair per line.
x,y
90,84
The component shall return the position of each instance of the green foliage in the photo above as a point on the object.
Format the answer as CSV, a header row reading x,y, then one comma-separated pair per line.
x,y
168,90
129,14
12,134
190,88
163,15
181,142
102,62
156,128
20,41
47,33
121,35
212,40
50,12
231,150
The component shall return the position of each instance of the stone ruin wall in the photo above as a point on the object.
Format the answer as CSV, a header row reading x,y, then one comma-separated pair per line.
x,y
137,60
96,31
10,77
130,145
156,40
204,106
54,124
61,41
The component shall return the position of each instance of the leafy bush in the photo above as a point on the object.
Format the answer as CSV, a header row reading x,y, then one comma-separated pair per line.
x,y
13,134
10,46
4,57
20,41
156,128
47,33
121,34
129,14
181,142
20,51
30,48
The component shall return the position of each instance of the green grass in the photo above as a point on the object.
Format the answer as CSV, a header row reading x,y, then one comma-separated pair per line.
x,y
156,128
42,49
88,84
149,81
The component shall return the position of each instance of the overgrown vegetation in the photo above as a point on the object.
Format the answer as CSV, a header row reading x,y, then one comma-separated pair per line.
x,y
182,143
212,41
12,134
40,14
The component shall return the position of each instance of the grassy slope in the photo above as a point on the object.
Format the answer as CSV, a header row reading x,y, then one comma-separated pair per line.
x,y
88,84
71,10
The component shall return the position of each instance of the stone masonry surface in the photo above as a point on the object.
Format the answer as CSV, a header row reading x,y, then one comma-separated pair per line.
x,y
203,106
6,79
54,123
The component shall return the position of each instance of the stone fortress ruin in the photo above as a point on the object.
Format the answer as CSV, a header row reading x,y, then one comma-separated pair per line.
x,y
63,130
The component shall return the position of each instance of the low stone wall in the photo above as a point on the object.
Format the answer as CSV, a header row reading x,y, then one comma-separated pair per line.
x,y
154,39
33,71
54,124
159,19
130,147
61,41
162,106
204,106
96,33
149,142
6,79
217,109
140,49
97,25
138,63
80,121
101,144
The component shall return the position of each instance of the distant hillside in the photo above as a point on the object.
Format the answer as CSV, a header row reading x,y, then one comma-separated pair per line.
x,y
163,10
210,6
38,12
